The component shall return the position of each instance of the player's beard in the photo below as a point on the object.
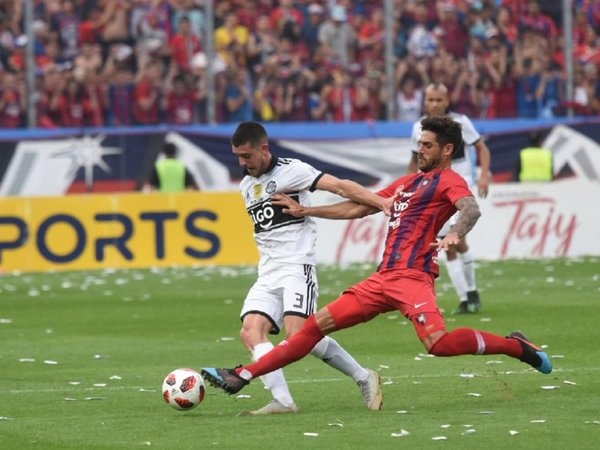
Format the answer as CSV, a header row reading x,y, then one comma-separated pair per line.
x,y
429,164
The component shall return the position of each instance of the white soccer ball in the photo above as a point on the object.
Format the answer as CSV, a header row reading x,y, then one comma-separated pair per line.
x,y
183,389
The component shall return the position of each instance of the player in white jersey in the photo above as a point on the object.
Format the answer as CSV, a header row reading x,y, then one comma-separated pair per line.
x,y
285,293
459,260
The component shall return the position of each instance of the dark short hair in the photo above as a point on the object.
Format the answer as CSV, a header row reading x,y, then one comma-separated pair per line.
x,y
446,130
170,149
252,133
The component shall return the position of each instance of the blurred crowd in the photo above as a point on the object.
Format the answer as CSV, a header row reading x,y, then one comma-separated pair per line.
x,y
130,62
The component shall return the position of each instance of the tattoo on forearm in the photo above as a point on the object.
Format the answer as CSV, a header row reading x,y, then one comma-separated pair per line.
x,y
469,214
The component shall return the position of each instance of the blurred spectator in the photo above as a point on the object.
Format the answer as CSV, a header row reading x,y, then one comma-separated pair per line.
x,y
337,37
191,10
65,29
371,37
184,45
180,102
455,32
148,92
286,20
411,83
75,104
113,24
507,30
12,101
310,29
231,40
153,39
551,90
237,99
421,41
261,44
542,23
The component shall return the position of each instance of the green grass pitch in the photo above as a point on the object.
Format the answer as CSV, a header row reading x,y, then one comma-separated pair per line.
x,y
83,356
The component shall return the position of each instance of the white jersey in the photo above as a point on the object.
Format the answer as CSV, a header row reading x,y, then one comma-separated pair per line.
x,y
463,162
282,238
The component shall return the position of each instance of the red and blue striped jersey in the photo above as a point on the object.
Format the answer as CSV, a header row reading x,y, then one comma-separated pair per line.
x,y
423,203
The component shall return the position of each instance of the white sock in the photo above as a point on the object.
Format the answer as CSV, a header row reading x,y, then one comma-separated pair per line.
x,y
469,269
273,381
457,276
333,354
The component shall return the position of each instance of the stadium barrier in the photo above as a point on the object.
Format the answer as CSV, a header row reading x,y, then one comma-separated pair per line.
x,y
518,221
124,231
155,230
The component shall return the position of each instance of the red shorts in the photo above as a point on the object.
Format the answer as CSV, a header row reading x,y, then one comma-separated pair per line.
x,y
412,292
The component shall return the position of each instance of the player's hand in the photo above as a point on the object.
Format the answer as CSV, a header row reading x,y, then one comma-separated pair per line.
x,y
448,241
483,185
290,206
388,205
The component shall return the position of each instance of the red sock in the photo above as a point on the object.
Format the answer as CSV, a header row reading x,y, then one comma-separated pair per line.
x,y
289,351
466,341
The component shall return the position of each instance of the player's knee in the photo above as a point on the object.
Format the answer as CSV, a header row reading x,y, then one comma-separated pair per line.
x,y
434,343
251,336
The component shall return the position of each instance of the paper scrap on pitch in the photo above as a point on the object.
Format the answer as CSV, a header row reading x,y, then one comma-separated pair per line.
x,y
402,432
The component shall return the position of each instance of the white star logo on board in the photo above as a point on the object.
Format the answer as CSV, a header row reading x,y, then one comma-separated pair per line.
x,y
87,153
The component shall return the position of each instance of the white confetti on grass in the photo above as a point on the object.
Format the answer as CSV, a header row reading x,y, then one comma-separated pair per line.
x,y
513,432
467,375
226,338
474,394
6,418
5,320
95,398
439,438
485,319
99,384
311,434
446,425
402,433
495,362
538,421
382,366
147,390
336,424
74,383
592,422
549,388
486,412
50,362
115,377
26,360
243,396
572,383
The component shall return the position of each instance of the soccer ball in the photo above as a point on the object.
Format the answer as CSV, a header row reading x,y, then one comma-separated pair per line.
x,y
183,389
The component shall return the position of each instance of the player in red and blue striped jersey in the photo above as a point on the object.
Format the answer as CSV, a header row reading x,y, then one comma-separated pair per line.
x,y
404,281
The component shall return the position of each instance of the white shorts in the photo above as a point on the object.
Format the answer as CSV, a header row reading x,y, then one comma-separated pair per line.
x,y
446,228
286,290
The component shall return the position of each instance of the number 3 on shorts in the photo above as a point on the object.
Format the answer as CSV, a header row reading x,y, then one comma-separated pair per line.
x,y
299,300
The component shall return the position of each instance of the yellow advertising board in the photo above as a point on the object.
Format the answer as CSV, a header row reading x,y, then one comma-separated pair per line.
x,y
124,231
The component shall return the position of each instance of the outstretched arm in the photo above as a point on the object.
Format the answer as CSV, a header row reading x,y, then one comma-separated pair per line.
x,y
342,210
354,192
469,214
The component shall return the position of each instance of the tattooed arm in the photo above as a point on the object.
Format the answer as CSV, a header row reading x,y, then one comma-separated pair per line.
x,y
467,218
469,214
